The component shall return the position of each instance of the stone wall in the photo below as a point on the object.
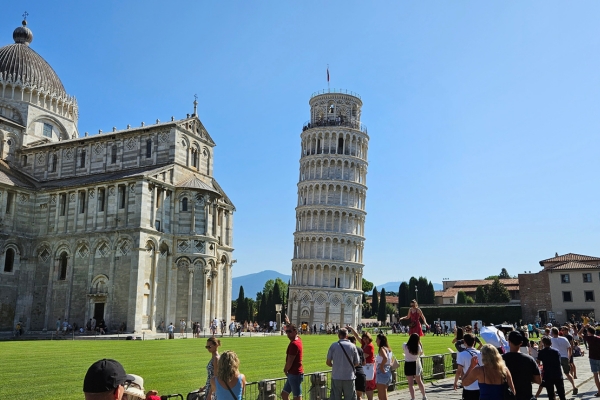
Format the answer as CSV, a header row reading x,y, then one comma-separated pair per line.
x,y
535,294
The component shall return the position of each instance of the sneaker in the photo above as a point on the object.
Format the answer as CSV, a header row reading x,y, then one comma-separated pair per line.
x,y
424,397
575,391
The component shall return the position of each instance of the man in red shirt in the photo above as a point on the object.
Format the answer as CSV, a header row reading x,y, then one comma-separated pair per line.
x,y
588,333
293,364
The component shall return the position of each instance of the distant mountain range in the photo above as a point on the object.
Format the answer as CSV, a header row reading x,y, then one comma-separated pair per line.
x,y
254,283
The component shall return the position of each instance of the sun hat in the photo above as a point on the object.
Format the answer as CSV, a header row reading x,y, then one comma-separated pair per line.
x,y
136,387
103,376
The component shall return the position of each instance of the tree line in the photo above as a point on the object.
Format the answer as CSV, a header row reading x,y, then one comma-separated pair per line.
x,y
261,309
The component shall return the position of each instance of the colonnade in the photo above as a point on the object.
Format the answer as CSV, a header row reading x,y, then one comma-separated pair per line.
x,y
330,221
338,194
328,248
327,169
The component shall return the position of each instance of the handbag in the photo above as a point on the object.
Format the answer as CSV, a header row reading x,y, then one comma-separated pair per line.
x,y
369,371
395,364
507,393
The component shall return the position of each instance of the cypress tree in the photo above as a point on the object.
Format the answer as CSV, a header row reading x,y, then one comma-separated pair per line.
x,y
381,315
375,302
403,295
241,312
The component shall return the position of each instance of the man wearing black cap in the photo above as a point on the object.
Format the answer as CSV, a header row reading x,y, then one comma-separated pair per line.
x,y
105,380
522,367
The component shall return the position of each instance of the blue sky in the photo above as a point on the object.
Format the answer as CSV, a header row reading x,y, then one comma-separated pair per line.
x,y
483,116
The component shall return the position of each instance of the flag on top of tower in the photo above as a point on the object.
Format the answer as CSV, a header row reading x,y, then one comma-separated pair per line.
x,y
327,73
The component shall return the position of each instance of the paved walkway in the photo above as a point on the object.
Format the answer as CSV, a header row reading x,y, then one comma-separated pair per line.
x,y
443,389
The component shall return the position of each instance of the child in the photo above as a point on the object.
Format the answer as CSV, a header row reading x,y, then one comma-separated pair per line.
x,y
412,364
577,352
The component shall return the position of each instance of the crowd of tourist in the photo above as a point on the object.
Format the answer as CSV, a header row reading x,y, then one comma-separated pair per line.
x,y
506,368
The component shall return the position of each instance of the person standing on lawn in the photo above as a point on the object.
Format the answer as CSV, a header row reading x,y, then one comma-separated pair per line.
x,y
293,368
588,333
522,367
342,357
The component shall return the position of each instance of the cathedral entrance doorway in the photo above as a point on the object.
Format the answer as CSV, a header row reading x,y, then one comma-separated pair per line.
x,y
99,311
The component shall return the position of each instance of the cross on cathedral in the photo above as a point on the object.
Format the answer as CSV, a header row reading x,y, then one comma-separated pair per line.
x,y
195,97
25,15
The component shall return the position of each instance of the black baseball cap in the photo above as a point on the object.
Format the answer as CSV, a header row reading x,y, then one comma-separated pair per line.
x,y
515,338
104,375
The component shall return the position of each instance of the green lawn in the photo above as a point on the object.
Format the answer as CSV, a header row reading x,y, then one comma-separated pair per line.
x,y
55,369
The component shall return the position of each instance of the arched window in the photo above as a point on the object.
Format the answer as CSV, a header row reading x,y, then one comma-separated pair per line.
x,y
63,266
195,158
184,204
340,148
9,260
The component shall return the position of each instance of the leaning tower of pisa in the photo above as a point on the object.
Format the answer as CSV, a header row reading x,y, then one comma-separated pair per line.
x,y
327,267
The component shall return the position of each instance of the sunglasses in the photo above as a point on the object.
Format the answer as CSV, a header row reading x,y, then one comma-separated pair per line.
x,y
207,347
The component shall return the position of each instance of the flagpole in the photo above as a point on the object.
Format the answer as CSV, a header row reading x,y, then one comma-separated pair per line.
x,y
327,77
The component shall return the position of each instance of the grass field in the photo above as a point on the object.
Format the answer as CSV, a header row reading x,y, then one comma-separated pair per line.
x,y
55,369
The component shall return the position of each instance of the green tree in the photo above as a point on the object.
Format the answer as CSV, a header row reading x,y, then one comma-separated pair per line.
x,y
367,311
381,311
375,302
270,285
461,297
481,294
367,286
251,306
504,274
403,295
430,293
412,283
470,300
390,309
498,293
241,312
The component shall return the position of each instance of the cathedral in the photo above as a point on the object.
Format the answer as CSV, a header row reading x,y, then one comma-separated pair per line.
x,y
127,226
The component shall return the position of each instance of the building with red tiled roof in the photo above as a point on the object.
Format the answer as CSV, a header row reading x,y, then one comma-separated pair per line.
x,y
449,294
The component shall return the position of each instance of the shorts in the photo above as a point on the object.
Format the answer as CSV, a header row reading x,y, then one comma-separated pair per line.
x,y
293,384
594,365
470,394
383,378
360,383
410,368
564,363
371,385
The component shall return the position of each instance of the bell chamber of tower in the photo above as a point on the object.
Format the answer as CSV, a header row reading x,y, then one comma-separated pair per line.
x,y
327,268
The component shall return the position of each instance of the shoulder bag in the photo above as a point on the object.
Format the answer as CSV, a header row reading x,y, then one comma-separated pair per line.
x,y
346,354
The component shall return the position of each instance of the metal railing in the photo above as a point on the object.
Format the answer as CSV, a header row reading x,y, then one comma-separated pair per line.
x,y
334,90
334,122
316,386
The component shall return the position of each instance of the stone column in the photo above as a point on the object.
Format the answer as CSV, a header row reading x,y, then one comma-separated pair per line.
x,y
327,312
51,276
190,292
193,224
154,288
342,313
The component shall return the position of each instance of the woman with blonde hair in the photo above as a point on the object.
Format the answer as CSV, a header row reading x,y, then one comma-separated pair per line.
x,y
230,382
492,375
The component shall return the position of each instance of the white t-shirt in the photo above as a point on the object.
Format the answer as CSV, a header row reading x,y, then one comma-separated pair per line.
x,y
562,345
464,358
411,357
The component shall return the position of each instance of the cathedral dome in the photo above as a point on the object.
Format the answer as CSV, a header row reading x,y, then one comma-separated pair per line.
x,y
19,62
